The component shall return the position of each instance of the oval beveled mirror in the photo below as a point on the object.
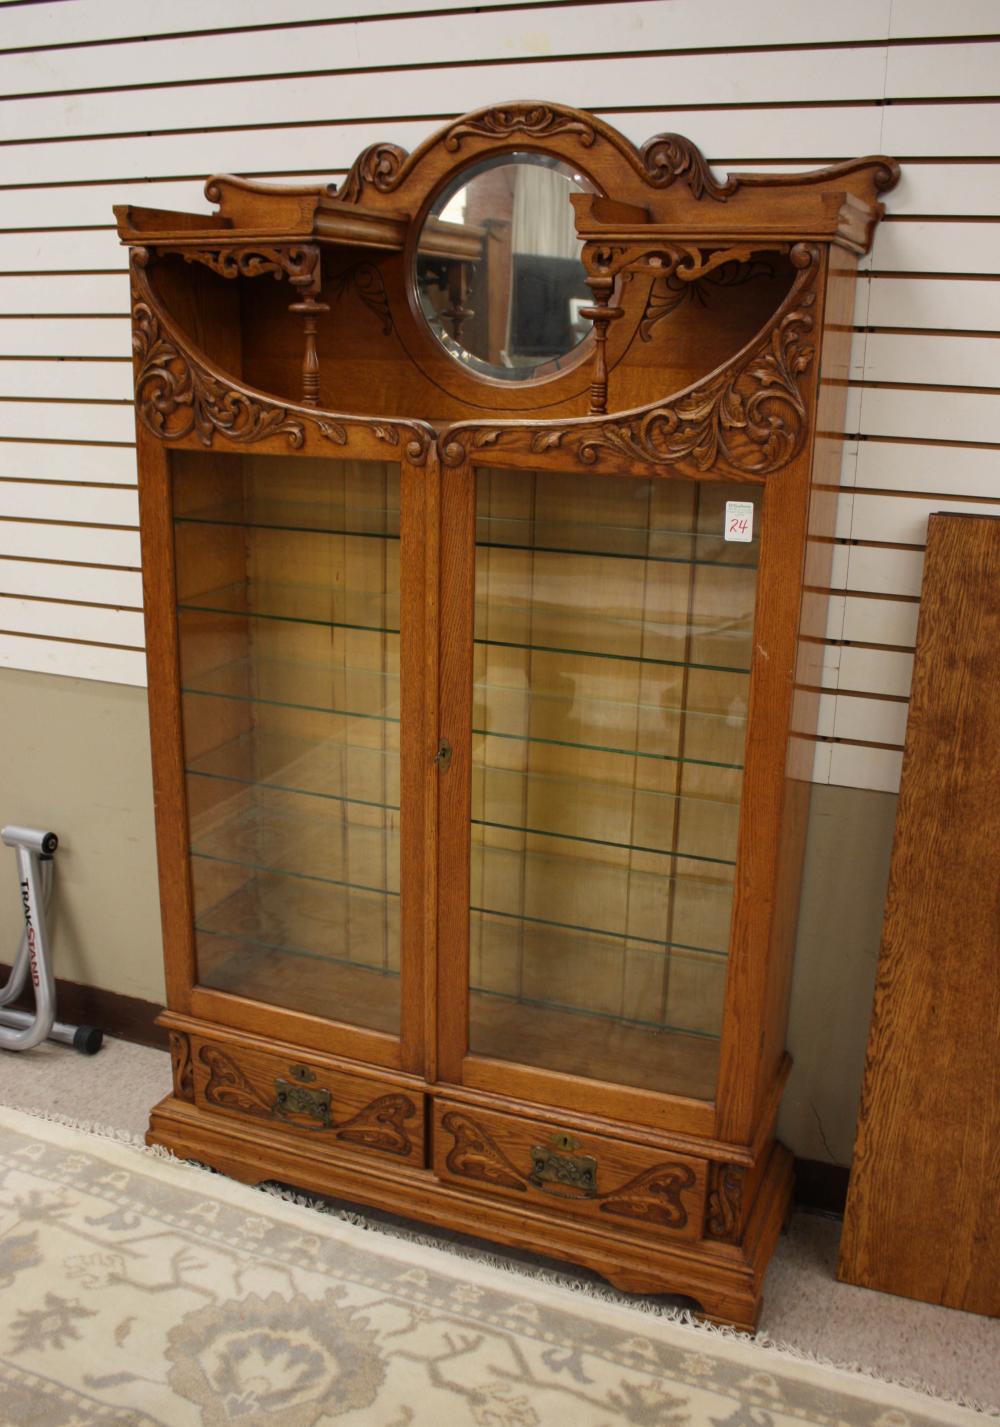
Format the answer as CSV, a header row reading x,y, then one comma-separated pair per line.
x,y
498,271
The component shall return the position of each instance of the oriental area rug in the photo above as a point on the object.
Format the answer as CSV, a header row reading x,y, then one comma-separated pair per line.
x,y
138,1290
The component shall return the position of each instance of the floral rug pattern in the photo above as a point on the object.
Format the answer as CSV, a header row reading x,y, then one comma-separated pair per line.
x,y
141,1292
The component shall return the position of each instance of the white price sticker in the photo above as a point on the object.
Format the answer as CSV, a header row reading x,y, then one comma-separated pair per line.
x,y
739,520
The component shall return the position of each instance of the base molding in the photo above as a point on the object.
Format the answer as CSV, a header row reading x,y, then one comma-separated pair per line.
x,y
723,1279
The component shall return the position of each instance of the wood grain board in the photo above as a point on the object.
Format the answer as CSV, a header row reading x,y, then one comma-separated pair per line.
x,y
925,1187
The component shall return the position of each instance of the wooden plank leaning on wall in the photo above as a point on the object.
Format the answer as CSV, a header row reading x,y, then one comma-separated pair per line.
x,y
921,1209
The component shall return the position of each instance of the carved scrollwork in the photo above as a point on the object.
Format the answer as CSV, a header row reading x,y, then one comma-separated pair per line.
x,y
380,165
538,121
173,398
379,1125
299,262
725,1200
655,1196
180,1060
669,157
476,1155
176,396
749,419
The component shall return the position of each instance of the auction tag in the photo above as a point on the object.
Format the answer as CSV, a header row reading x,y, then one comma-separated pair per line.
x,y
739,520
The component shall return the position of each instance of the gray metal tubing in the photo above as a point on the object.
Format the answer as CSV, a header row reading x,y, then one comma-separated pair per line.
x,y
19,971
31,883
59,1032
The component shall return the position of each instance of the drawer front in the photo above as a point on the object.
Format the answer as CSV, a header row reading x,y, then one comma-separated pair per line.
x,y
301,1095
633,1186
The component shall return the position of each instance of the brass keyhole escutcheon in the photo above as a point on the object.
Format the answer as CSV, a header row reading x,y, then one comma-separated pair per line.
x,y
301,1072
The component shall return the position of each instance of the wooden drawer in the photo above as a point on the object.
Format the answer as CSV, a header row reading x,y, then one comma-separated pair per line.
x,y
623,1184
350,1111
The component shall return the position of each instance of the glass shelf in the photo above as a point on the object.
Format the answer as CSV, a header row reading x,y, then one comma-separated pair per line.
x,y
610,812
298,834
300,603
609,889
621,542
323,767
323,517
321,688
595,1047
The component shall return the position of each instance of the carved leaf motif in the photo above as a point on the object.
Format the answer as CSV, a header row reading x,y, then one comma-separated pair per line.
x,y
228,1086
668,292
538,120
333,431
669,157
388,434
546,440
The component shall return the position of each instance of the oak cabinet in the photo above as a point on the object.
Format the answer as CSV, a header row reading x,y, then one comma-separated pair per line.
x,y
487,512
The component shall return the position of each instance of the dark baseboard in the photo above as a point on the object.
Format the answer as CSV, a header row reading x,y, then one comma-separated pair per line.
x,y
127,1017
818,1185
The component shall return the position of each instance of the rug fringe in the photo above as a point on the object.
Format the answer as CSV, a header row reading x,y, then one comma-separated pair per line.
x,y
683,1317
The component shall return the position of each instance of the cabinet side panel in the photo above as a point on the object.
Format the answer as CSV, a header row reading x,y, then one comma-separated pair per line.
x,y
772,823
822,522
166,739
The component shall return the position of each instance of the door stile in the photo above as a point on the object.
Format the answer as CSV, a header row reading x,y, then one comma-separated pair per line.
x,y
414,857
427,766
453,768
743,1076
166,736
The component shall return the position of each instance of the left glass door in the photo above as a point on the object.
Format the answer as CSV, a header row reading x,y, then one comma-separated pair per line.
x,y
288,619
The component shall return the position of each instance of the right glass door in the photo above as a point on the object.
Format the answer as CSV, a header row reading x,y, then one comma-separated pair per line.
x,y
612,645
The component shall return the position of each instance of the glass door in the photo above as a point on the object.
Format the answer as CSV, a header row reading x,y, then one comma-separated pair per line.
x,y
288,613
613,622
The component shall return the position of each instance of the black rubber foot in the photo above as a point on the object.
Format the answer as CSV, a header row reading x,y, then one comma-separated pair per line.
x,y
88,1040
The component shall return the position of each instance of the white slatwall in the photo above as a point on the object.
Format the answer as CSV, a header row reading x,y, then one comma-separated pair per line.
x,y
108,101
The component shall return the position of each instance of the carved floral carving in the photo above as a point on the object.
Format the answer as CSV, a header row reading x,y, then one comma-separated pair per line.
x,y
749,419
655,1196
180,1060
539,121
666,294
380,1125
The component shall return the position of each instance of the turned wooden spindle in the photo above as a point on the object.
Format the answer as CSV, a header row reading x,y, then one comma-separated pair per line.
x,y
307,283
602,314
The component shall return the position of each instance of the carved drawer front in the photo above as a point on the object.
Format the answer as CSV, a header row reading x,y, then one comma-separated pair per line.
x,y
633,1186
345,1111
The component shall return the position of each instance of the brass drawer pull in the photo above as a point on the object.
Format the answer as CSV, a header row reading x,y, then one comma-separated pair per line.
x,y
568,1176
292,1099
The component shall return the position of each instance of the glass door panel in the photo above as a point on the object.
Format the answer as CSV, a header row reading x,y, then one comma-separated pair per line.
x,y
288,619
613,631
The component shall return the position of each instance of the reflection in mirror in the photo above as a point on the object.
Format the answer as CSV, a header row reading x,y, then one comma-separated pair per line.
x,y
498,270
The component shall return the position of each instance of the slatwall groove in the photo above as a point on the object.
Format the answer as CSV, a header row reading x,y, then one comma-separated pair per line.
x,y
793,88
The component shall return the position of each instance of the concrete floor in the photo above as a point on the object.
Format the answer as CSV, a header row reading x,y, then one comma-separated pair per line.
x,y
804,1307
